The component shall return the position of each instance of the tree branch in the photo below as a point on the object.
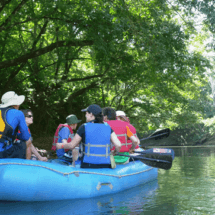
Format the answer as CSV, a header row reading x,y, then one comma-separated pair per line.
x,y
13,13
40,34
85,78
4,3
12,75
39,52
83,90
15,24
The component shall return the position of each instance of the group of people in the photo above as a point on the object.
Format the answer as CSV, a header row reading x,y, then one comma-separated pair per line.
x,y
106,133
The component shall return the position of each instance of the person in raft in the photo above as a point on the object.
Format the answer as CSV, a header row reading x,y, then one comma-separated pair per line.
x,y
29,120
12,120
125,135
120,115
64,134
96,137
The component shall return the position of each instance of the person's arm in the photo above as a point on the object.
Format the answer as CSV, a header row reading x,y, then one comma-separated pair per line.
x,y
64,141
37,154
23,128
132,138
138,140
115,141
64,134
28,149
134,141
71,145
25,135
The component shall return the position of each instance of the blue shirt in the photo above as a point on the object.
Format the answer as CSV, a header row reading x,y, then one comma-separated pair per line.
x,y
64,133
15,118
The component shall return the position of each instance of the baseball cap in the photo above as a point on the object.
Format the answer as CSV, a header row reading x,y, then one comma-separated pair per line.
x,y
120,113
72,119
94,109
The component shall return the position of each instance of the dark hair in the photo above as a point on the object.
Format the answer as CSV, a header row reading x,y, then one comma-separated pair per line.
x,y
98,117
25,111
109,112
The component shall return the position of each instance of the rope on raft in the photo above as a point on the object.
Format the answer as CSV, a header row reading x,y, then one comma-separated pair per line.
x,y
75,172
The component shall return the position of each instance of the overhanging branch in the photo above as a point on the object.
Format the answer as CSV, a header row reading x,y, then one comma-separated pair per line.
x,y
39,52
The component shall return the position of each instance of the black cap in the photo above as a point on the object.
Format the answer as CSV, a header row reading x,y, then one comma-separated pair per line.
x,y
94,109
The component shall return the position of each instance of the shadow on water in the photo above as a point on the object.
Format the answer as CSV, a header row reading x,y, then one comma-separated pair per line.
x,y
130,201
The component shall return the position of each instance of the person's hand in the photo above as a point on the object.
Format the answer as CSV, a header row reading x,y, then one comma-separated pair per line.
x,y
131,151
114,152
43,159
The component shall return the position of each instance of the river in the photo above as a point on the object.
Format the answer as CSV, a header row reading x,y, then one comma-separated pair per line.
x,y
187,188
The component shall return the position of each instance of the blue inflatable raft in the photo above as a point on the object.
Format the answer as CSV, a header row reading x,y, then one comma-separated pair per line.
x,y
28,180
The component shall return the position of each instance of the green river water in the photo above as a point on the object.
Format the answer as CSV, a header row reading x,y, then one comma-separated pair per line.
x,y
187,188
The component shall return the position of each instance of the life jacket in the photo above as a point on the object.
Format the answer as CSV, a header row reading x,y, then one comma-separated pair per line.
x,y
56,135
119,127
133,130
29,133
97,143
6,131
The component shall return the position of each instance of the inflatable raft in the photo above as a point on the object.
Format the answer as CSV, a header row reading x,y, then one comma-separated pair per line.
x,y
28,180
132,201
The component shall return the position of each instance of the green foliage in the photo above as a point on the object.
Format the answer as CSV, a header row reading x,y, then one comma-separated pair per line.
x,y
131,55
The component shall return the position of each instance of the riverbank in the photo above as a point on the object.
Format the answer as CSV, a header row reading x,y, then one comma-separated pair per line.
x,y
174,139
177,138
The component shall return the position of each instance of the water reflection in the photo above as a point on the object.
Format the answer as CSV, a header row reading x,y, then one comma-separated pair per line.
x,y
187,188
126,202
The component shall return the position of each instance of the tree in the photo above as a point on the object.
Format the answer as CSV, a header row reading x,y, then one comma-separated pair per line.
x,y
66,54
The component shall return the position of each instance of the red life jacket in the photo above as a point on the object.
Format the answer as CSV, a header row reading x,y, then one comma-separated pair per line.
x,y
56,136
119,127
29,133
133,130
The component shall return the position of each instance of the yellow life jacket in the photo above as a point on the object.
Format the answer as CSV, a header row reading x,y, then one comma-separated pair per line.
x,y
6,130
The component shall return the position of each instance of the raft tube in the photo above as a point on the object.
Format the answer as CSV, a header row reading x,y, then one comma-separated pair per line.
x,y
29,180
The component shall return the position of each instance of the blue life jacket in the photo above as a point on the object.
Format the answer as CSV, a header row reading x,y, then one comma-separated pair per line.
x,y
97,143
6,131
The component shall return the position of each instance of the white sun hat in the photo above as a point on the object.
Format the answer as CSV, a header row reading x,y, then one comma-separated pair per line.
x,y
120,113
11,98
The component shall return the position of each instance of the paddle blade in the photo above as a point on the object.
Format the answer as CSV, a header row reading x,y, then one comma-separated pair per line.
x,y
158,150
160,134
159,158
161,164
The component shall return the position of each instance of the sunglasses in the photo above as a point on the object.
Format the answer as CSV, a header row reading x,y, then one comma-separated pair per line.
x,y
29,116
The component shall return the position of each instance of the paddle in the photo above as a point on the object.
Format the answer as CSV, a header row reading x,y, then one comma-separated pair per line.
x,y
159,134
158,158
163,151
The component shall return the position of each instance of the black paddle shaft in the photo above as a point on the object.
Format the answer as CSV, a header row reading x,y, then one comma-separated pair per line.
x,y
157,160
159,135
